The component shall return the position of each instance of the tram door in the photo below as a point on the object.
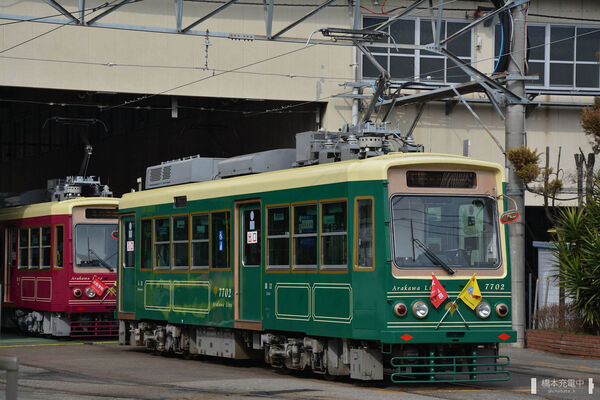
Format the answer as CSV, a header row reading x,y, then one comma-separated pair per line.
x,y
126,285
8,258
248,266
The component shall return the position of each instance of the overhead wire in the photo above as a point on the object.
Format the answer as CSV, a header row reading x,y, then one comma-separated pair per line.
x,y
175,67
39,19
145,97
34,19
143,108
92,10
237,70
484,59
222,73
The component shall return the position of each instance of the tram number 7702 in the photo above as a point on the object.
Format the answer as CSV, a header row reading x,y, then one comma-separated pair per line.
x,y
494,286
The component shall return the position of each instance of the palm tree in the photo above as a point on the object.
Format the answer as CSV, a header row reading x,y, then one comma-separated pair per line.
x,y
577,240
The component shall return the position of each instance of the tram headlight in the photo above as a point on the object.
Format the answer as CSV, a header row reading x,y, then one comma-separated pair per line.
x,y
77,292
502,310
400,309
483,310
420,309
89,292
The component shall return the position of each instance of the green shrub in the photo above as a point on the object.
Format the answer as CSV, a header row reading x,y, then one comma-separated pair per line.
x,y
525,162
577,241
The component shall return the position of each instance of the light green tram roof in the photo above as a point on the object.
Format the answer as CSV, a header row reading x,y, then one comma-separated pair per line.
x,y
346,171
54,207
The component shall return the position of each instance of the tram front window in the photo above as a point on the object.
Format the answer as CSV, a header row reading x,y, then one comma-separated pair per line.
x,y
445,231
95,246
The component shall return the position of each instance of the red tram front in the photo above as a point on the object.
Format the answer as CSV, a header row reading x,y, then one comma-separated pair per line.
x,y
59,264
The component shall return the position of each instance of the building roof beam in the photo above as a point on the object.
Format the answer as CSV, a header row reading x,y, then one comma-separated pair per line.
x,y
61,10
110,10
82,11
178,13
210,14
305,17
268,17
406,11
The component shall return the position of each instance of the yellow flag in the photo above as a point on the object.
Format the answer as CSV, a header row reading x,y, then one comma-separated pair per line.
x,y
470,293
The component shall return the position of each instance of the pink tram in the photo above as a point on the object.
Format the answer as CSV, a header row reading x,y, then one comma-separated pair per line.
x,y
59,263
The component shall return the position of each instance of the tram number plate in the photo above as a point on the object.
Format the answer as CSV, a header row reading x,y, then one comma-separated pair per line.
x,y
252,237
130,245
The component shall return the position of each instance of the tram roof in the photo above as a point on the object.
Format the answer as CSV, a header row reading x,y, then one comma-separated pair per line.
x,y
374,168
54,207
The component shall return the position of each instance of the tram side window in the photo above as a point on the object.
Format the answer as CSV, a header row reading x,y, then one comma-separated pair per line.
x,y
46,242
129,241
305,236
200,241
278,238
146,245
161,243
34,248
220,222
181,237
364,233
23,248
252,238
12,251
58,246
334,235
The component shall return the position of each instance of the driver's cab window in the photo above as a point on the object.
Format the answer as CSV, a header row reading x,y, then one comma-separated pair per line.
x,y
408,226
95,246
470,225
434,234
460,231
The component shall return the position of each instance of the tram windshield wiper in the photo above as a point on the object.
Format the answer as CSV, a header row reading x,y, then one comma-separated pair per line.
x,y
433,258
100,260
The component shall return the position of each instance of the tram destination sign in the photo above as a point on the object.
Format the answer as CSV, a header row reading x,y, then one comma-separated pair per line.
x,y
441,179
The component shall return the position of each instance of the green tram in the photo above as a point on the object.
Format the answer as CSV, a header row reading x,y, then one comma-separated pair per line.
x,y
326,267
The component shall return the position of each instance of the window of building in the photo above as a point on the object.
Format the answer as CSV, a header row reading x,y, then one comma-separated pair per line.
x,y
162,246
417,65
334,235
59,247
200,241
146,243
364,233
46,243
564,56
305,236
220,227
181,237
23,247
278,238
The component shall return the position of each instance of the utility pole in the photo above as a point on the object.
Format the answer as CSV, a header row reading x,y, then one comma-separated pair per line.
x,y
515,137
